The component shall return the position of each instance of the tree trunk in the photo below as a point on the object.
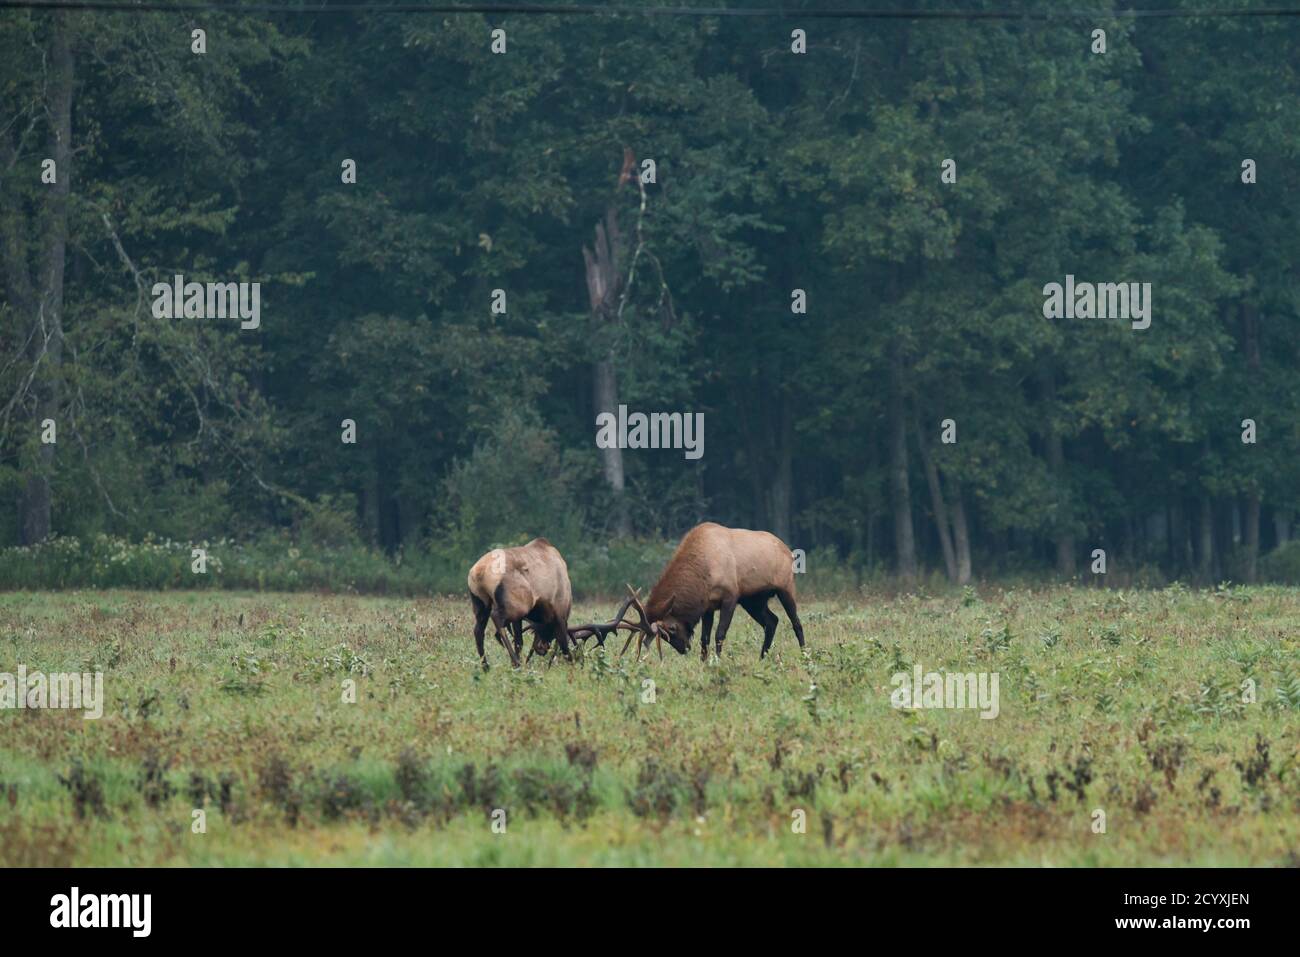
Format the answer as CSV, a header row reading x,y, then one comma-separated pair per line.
x,y
937,503
755,440
904,540
1205,528
1282,526
1176,540
960,534
605,399
1252,536
1064,538
46,349
387,503
783,476
767,429
1250,330
604,285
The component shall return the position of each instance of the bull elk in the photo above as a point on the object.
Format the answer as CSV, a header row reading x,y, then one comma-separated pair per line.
x,y
514,585
714,569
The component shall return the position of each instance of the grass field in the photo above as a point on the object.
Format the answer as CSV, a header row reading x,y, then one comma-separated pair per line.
x,y
1128,703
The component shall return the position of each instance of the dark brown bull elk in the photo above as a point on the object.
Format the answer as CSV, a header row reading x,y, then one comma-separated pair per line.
x,y
714,569
514,585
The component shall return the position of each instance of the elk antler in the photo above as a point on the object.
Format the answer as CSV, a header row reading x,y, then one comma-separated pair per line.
x,y
601,631
643,632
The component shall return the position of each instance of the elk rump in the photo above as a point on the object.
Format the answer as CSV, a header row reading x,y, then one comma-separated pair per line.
x,y
514,585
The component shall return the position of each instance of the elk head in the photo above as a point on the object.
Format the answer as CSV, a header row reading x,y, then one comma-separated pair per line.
x,y
667,628
541,644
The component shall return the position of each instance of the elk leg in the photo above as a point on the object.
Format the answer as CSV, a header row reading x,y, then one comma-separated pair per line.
x,y
508,646
501,625
770,623
724,622
518,629
480,623
560,631
787,602
756,605
706,626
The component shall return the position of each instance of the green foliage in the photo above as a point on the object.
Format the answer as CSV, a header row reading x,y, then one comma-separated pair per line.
x,y
1282,565
774,172
231,703
277,562
515,485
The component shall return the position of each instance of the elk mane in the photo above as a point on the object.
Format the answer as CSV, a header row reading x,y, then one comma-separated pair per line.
x,y
684,583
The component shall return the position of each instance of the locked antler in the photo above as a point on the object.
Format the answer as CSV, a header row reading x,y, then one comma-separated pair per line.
x,y
601,630
644,632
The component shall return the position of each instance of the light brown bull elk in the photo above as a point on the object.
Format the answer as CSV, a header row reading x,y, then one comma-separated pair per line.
x,y
513,585
714,569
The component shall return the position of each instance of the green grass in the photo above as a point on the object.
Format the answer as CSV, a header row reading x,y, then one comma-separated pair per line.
x,y
1124,702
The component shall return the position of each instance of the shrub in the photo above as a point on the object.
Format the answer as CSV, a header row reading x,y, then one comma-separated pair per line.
x,y
327,555
514,486
1282,564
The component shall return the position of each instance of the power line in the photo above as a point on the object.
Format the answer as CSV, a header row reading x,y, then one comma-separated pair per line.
x,y
116,6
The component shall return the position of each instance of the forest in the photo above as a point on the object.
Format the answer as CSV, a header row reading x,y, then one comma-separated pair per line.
x,y
833,242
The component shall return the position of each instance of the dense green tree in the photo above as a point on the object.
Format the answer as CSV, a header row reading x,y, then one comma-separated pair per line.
x,y
463,254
